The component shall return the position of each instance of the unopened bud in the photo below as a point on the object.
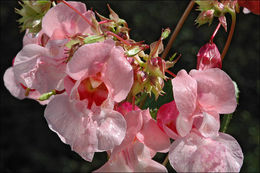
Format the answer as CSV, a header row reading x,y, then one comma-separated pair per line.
x,y
208,57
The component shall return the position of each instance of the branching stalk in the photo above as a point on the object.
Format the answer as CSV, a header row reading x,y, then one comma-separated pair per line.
x,y
178,28
230,35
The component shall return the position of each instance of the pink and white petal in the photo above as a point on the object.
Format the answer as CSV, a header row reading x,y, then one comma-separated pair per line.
x,y
208,124
153,137
216,91
235,155
119,85
117,164
111,128
134,122
71,126
48,76
89,59
65,18
221,154
170,132
143,161
13,85
181,151
185,93
183,125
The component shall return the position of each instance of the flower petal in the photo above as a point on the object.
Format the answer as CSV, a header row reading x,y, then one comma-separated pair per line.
x,y
120,84
71,126
89,59
111,129
216,91
194,153
66,19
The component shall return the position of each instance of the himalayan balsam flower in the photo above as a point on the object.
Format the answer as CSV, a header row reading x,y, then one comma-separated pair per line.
x,y
200,97
83,117
195,153
135,153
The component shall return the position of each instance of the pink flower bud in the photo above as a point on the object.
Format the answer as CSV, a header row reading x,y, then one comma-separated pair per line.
x,y
208,57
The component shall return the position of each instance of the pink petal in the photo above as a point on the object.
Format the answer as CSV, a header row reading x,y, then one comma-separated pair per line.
x,y
216,91
166,118
126,107
134,122
185,96
89,59
67,20
208,125
72,126
194,153
13,85
150,132
120,84
111,129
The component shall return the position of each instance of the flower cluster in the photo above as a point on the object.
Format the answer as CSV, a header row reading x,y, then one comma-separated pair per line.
x,y
89,73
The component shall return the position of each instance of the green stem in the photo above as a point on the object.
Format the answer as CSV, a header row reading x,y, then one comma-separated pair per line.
x,y
226,122
178,28
166,160
230,35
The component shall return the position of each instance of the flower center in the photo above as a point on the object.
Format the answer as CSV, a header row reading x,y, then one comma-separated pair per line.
x,y
94,90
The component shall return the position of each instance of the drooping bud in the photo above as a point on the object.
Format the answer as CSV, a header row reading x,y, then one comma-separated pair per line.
x,y
208,57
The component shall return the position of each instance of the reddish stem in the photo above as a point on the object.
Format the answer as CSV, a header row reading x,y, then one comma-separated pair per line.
x,y
178,28
133,103
172,74
59,92
105,21
118,37
214,33
92,25
230,35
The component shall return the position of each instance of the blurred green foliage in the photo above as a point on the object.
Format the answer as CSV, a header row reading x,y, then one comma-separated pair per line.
x,y
28,145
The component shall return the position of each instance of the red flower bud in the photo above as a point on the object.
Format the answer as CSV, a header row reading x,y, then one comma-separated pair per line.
x,y
253,6
208,57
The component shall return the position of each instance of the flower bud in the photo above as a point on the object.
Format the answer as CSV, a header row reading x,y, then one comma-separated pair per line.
x,y
208,57
205,17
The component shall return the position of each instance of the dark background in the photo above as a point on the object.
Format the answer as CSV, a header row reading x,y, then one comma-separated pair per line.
x,y
28,145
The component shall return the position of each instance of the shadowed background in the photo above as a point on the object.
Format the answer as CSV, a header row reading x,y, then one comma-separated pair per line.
x,y
28,145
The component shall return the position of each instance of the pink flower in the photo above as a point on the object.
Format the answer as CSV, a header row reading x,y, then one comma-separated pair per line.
x,y
62,22
143,138
194,153
208,57
41,69
98,76
200,97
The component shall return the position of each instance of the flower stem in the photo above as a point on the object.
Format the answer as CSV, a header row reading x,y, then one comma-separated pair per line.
x,y
226,122
118,37
230,35
166,160
214,33
178,28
